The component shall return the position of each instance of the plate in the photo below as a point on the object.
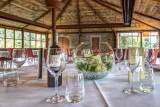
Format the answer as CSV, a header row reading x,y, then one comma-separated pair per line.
x,y
156,67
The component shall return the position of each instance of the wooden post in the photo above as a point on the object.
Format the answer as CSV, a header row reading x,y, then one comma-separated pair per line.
x,y
141,39
22,38
40,57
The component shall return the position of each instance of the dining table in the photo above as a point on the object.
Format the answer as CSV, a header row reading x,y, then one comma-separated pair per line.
x,y
104,92
4,54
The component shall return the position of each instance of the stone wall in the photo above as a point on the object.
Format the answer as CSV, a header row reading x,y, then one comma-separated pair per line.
x,y
74,39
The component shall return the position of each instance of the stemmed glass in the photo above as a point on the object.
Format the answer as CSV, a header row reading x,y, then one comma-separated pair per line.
x,y
150,56
18,59
55,64
119,55
132,64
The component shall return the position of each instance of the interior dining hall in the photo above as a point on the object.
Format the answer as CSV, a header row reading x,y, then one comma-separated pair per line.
x,y
79,53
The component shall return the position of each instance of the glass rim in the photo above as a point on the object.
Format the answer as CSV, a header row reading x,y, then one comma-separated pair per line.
x,y
73,73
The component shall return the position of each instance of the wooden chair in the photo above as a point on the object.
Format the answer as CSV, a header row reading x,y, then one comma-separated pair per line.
x,y
10,50
29,54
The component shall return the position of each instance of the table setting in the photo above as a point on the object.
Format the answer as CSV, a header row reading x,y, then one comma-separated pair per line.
x,y
92,80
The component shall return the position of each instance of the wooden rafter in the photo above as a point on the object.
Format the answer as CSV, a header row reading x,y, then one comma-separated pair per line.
x,y
22,20
5,4
63,9
109,25
79,19
141,14
97,13
104,5
157,0
85,32
39,17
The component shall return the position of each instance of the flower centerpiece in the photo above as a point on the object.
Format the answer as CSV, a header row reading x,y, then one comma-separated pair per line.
x,y
94,65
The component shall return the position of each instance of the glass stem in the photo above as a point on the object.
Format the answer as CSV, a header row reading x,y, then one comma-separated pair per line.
x,y
132,81
118,64
19,74
56,86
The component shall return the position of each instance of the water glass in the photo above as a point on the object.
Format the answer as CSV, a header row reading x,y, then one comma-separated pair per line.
x,y
10,77
147,84
75,87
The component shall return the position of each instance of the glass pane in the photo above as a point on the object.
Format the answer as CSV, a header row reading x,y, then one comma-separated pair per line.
x,y
33,37
39,37
43,37
26,35
43,44
154,42
17,43
9,33
146,42
18,34
38,44
9,43
33,45
125,42
26,44
2,32
1,43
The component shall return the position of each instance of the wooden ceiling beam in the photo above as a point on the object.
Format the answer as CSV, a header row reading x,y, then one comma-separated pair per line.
x,y
104,5
22,20
63,9
141,14
157,0
85,32
39,17
108,25
97,13
5,4
19,28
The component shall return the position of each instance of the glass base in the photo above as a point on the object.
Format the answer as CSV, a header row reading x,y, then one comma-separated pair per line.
x,y
55,99
130,91
21,81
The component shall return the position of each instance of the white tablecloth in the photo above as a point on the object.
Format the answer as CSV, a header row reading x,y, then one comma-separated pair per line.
x,y
4,54
99,93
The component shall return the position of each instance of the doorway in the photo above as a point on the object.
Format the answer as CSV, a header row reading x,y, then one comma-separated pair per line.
x,y
95,43
63,43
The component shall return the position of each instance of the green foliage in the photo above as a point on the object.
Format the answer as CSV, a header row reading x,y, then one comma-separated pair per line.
x,y
93,68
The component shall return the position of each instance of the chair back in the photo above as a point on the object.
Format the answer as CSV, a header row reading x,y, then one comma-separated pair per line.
x,y
10,50
69,52
29,52
45,55
123,53
156,55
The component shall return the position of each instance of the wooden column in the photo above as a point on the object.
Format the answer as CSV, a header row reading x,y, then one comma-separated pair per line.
x,y
40,56
22,38
141,39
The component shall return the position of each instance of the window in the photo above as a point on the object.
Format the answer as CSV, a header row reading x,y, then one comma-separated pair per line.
x,y
10,38
43,41
2,34
33,40
152,41
129,40
38,41
18,39
126,40
26,39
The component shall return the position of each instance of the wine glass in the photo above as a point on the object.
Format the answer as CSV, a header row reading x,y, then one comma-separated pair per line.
x,y
132,64
150,56
55,64
18,59
119,54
